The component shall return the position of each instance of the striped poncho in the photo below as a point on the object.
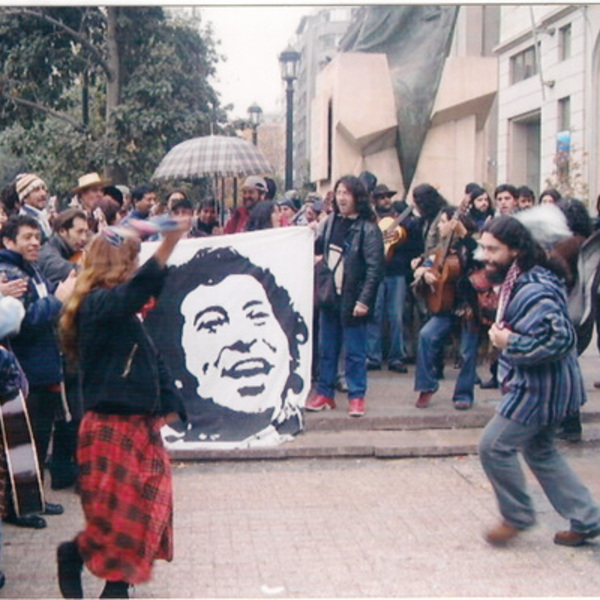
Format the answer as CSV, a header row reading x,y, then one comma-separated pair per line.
x,y
540,377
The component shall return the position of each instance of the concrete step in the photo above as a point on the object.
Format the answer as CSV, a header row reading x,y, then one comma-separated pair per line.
x,y
400,443
393,428
412,418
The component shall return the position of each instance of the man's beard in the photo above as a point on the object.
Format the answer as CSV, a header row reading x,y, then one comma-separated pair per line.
x,y
385,211
498,273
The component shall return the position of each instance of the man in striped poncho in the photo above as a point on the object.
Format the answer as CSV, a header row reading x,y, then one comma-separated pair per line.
x,y
541,383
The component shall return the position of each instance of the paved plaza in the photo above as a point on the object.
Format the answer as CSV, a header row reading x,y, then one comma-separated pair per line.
x,y
322,528
336,513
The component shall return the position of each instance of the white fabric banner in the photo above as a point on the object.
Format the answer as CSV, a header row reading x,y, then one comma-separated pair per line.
x,y
234,324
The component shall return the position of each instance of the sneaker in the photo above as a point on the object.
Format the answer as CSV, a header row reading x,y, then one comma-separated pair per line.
x,y
320,402
462,404
501,534
356,408
70,564
397,367
424,399
373,366
574,538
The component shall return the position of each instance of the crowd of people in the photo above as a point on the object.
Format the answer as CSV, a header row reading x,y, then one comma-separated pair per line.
x,y
477,273
397,282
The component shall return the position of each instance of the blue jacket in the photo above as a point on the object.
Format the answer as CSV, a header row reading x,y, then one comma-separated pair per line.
x,y
12,378
539,373
36,345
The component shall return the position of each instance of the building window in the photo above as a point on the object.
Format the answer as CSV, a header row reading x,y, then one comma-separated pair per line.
x,y
328,41
523,65
564,42
564,114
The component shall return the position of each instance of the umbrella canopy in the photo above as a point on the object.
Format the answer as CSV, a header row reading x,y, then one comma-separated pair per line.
x,y
213,155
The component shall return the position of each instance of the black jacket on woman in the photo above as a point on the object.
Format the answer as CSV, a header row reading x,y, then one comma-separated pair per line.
x,y
120,368
363,262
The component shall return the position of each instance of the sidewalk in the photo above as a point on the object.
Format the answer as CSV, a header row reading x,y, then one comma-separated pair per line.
x,y
349,526
341,528
393,427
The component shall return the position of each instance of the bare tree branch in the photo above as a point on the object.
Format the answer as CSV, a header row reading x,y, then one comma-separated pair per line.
x,y
77,126
80,38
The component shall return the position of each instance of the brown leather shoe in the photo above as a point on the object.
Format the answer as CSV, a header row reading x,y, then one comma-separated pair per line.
x,y
424,399
574,538
501,534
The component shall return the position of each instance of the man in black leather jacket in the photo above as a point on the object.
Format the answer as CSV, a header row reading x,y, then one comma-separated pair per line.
x,y
352,248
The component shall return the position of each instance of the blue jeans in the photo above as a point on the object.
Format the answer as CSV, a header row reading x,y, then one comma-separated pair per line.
x,y
389,305
500,442
333,335
431,340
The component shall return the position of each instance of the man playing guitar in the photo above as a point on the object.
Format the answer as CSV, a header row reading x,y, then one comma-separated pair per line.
x,y
456,308
402,242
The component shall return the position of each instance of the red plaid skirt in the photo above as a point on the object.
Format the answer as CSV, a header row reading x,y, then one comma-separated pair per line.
x,y
126,495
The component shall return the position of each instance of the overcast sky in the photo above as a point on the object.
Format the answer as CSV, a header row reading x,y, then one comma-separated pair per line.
x,y
252,38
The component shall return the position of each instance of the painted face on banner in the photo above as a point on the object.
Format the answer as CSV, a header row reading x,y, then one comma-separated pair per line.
x,y
234,345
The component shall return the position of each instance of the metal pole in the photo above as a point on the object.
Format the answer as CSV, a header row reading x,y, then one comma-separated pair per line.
x,y
254,135
289,137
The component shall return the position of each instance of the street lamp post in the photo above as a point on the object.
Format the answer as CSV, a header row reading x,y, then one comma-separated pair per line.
x,y
255,116
288,61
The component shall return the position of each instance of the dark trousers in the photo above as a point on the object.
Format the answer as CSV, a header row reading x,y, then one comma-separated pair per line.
x,y
43,406
63,463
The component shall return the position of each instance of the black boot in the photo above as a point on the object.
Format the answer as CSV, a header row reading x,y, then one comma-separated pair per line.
x,y
70,564
115,589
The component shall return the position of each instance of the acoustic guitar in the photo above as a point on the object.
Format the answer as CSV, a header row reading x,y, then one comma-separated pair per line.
x,y
21,457
442,293
388,225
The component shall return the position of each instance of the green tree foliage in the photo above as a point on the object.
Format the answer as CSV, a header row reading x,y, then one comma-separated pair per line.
x,y
58,110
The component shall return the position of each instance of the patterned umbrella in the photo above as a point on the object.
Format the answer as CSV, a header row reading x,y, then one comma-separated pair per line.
x,y
215,155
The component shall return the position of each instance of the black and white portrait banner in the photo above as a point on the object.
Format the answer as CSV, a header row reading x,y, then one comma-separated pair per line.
x,y
234,324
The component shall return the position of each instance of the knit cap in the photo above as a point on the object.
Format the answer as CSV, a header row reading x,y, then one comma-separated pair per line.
x,y
26,183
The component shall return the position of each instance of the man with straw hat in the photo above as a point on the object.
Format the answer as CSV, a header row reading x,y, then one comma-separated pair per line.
x,y
89,192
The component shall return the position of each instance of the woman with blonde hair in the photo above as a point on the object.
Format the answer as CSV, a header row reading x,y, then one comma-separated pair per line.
x,y
128,395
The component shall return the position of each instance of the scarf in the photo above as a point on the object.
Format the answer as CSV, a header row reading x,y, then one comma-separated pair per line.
x,y
506,291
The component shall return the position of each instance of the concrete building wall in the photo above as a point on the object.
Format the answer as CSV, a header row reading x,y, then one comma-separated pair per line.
x,y
456,149
534,104
356,131
354,127
317,37
592,100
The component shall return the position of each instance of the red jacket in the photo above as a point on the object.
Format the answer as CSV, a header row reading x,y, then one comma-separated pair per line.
x,y
238,221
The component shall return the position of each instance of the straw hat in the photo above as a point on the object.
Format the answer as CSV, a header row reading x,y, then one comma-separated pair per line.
x,y
88,180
